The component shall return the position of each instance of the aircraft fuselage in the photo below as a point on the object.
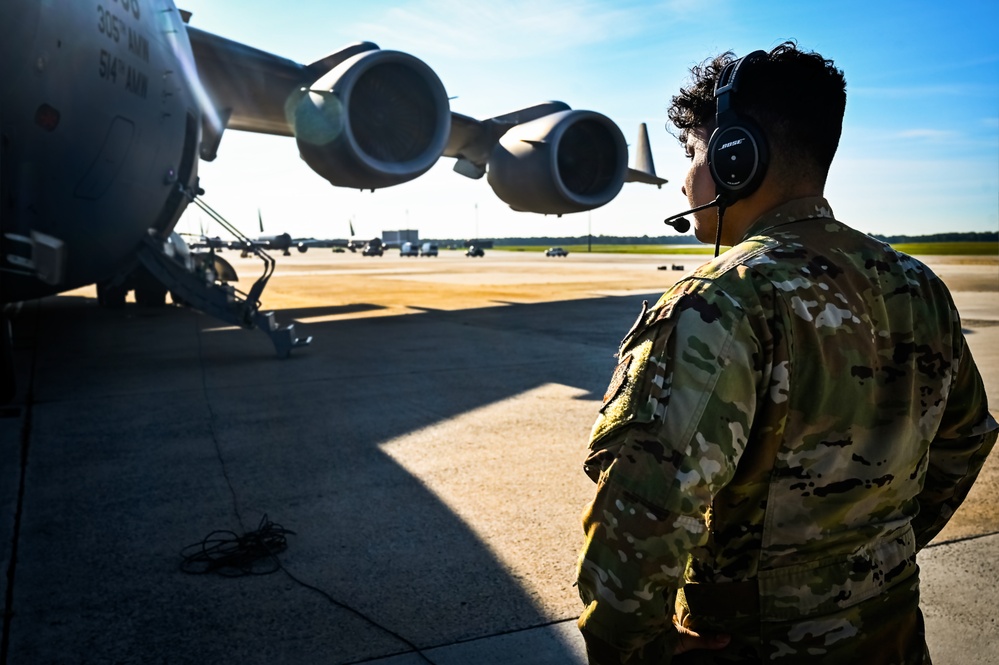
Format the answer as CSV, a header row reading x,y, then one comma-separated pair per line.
x,y
100,126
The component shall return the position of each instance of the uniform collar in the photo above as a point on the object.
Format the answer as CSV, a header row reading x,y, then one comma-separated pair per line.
x,y
796,210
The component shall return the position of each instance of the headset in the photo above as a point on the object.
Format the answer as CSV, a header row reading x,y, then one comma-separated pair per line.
x,y
738,153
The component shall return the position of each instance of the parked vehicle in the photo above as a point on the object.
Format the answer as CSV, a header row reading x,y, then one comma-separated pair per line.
x,y
475,251
409,249
556,251
428,249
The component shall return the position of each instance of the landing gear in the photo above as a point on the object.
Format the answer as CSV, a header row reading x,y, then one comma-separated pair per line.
x,y
151,296
111,295
149,291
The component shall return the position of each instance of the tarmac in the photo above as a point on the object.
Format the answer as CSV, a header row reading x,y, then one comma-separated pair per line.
x,y
425,453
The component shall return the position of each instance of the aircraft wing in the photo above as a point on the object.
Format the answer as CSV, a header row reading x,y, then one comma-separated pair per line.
x,y
249,89
246,85
367,118
472,141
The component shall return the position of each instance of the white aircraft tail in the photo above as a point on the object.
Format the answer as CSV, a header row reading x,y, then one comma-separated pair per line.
x,y
645,169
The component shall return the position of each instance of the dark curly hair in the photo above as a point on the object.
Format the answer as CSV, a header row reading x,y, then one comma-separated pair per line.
x,y
797,97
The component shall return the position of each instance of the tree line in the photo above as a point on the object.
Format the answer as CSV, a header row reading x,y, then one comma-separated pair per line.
x,y
973,236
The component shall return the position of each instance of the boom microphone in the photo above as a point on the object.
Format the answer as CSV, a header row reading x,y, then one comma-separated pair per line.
x,y
681,224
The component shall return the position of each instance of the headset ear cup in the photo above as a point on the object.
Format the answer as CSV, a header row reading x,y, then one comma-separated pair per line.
x,y
738,157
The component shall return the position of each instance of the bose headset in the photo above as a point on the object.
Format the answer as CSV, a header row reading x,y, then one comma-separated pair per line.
x,y
738,154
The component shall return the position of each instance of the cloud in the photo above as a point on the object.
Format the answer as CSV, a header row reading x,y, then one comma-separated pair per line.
x,y
935,135
520,29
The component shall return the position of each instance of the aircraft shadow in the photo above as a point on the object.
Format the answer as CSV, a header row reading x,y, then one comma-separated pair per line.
x,y
286,315
150,431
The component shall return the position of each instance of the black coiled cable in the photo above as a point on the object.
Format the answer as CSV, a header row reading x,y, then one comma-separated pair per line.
x,y
229,554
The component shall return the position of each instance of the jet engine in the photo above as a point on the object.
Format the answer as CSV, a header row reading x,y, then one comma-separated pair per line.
x,y
564,162
377,119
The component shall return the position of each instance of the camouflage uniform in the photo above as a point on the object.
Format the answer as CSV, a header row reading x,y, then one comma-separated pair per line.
x,y
787,427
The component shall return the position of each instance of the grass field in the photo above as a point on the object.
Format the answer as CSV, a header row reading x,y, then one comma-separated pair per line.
x,y
914,248
615,249
949,248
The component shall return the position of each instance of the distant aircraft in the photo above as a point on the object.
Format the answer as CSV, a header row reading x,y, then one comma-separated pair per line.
x,y
107,107
353,243
305,244
281,241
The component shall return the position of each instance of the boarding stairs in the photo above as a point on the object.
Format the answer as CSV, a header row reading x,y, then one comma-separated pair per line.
x,y
197,283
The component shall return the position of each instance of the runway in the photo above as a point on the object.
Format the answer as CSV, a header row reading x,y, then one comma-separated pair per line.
x,y
425,450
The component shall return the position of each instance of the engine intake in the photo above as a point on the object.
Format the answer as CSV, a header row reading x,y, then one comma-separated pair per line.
x,y
564,162
378,119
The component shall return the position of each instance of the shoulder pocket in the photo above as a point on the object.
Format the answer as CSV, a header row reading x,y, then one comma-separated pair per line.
x,y
639,387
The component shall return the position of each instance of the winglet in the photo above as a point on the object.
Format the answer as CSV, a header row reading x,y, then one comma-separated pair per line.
x,y
645,170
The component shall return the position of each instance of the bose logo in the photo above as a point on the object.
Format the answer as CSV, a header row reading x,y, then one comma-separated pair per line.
x,y
731,143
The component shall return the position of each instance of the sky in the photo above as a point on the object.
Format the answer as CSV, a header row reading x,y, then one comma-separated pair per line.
x,y
919,152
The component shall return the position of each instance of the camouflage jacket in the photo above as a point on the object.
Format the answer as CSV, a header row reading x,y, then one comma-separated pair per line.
x,y
786,427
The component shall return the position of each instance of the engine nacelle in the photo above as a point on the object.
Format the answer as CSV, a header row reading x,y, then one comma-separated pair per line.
x,y
377,119
565,162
